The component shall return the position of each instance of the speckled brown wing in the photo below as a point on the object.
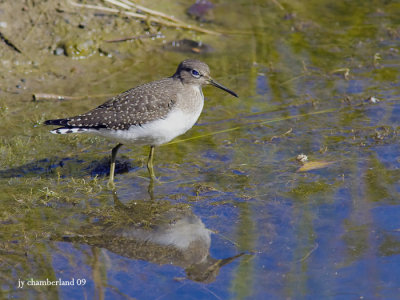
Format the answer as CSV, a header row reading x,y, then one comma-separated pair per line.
x,y
137,106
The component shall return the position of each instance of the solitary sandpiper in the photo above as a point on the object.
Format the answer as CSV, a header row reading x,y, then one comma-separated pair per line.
x,y
150,114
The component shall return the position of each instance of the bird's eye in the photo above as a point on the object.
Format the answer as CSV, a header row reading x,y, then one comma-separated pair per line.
x,y
195,73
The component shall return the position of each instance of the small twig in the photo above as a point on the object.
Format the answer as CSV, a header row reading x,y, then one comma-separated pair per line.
x,y
8,43
278,4
211,292
309,253
149,11
226,238
120,4
41,96
108,9
346,72
44,96
281,135
175,24
136,37
292,79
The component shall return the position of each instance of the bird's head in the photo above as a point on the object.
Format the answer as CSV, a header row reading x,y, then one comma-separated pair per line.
x,y
195,72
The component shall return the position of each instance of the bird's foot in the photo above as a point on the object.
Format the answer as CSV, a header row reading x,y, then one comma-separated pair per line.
x,y
111,185
155,179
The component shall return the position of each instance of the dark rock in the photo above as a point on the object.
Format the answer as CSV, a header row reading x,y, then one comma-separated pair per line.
x,y
201,10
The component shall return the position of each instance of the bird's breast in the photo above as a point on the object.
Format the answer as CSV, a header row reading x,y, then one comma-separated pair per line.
x,y
191,100
182,116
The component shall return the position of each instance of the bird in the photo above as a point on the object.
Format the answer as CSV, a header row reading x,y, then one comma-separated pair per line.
x,y
150,114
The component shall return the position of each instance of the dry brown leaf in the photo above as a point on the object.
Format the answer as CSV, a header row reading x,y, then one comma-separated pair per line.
x,y
312,165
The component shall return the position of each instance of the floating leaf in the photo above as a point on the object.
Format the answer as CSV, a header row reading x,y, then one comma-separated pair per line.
x,y
312,165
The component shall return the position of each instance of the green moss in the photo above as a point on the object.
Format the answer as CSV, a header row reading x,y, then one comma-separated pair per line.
x,y
304,190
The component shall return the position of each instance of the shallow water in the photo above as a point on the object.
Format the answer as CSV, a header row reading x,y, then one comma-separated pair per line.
x,y
235,214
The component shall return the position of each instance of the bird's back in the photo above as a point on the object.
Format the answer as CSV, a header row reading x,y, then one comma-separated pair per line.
x,y
137,106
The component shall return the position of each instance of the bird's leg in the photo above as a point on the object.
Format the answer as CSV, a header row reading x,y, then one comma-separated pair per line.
x,y
112,166
150,189
150,163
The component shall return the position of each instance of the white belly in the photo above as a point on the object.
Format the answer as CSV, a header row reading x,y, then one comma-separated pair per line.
x,y
157,132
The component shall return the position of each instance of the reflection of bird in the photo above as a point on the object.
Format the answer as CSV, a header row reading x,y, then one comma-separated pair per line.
x,y
175,236
150,114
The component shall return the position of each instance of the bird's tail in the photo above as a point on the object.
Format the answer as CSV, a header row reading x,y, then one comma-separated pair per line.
x,y
66,129
59,122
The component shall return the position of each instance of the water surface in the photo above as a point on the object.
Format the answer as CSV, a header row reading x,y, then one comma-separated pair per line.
x,y
236,216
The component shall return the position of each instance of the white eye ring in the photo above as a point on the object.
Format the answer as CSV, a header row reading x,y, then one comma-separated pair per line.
x,y
195,73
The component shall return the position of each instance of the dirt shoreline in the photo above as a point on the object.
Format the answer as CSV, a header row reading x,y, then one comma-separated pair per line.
x,y
54,44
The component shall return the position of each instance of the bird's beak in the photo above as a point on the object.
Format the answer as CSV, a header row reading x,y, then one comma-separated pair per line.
x,y
220,86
